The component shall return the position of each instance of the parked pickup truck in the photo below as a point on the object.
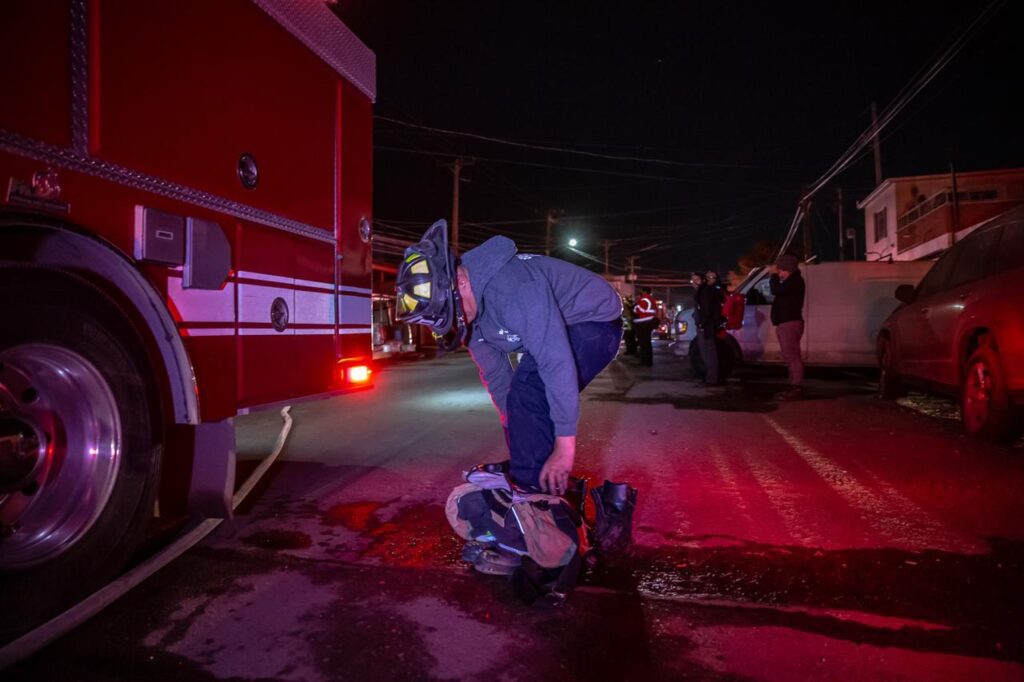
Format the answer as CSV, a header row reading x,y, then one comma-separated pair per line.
x,y
844,308
390,338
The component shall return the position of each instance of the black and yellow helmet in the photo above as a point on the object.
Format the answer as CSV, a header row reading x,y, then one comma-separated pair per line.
x,y
425,287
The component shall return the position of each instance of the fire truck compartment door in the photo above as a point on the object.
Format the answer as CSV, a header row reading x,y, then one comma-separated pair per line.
x,y
207,255
159,236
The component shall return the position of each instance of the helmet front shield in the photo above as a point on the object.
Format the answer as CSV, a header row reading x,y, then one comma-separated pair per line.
x,y
425,286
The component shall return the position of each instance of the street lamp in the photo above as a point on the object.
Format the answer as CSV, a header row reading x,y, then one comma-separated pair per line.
x,y
573,243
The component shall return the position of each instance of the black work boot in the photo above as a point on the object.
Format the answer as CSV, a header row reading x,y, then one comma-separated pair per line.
x,y
793,393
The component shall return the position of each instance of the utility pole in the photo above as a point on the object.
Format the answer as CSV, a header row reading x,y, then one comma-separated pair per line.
x,y
606,272
875,145
550,218
807,229
456,168
956,206
632,270
842,235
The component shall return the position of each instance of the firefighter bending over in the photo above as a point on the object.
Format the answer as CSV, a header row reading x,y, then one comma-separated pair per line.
x,y
565,320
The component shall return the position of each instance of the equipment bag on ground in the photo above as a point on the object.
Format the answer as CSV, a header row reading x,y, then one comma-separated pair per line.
x,y
544,531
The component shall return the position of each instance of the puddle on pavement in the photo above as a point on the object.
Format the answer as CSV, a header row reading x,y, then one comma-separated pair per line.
x,y
980,597
973,600
416,536
931,406
357,516
938,407
752,398
278,540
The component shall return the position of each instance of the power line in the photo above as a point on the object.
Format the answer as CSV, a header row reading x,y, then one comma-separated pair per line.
x,y
909,91
564,150
575,169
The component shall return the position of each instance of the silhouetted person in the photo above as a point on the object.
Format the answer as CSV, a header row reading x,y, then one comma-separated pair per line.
x,y
787,285
628,333
707,315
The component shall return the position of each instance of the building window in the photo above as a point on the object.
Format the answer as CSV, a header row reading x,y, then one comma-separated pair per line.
x,y
881,225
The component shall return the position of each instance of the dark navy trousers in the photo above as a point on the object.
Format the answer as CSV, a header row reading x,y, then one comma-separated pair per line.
x,y
529,430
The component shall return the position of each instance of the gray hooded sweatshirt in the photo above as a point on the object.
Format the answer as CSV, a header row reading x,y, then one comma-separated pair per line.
x,y
524,304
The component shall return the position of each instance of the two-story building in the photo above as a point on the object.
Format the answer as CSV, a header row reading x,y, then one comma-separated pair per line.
x,y
917,217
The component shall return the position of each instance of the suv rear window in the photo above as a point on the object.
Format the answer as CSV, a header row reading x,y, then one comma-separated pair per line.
x,y
976,255
1011,247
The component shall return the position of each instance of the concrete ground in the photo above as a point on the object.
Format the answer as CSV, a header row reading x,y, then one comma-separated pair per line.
x,y
835,538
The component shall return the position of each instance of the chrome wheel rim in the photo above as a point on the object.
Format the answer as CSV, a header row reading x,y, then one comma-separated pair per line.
x,y
61,435
977,396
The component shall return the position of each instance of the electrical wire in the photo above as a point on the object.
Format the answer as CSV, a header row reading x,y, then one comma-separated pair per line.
x,y
574,169
907,94
565,150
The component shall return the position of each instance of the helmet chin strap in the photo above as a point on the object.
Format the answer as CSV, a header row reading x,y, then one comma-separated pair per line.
x,y
460,326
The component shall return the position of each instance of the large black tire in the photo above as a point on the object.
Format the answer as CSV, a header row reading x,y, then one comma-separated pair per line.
x,y
45,310
890,386
986,410
727,359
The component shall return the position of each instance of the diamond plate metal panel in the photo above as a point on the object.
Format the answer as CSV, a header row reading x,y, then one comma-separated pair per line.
x,y
321,31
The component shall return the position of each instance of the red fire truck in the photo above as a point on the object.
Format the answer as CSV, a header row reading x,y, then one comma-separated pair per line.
x,y
184,237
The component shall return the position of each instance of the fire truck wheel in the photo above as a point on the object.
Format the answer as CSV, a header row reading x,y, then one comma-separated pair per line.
x,y
79,442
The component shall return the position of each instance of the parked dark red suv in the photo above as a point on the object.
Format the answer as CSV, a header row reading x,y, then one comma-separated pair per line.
x,y
961,330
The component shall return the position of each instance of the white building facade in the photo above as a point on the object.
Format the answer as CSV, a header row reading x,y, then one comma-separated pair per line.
x,y
918,217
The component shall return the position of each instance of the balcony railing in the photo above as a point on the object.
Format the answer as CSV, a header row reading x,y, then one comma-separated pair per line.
x,y
941,199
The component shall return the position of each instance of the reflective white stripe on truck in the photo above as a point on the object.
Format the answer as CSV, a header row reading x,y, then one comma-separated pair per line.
x,y
256,294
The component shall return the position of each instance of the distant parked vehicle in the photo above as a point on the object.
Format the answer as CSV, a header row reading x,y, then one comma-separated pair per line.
x,y
390,338
961,330
844,308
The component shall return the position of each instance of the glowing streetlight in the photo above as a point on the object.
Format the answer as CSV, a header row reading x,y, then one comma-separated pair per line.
x,y
573,242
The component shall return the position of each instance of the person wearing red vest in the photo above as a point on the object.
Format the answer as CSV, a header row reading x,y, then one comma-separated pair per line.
x,y
645,319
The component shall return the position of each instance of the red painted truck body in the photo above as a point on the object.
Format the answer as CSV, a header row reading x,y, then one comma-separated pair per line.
x,y
130,133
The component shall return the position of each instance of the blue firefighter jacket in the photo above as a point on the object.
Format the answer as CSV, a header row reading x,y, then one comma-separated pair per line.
x,y
524,304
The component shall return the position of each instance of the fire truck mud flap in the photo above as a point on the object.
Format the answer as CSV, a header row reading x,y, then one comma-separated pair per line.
x,y
213,469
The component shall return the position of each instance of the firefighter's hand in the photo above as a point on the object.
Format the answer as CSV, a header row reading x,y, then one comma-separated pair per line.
x,y
554,476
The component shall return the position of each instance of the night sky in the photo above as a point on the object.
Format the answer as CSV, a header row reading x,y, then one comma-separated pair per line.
x,y
749,101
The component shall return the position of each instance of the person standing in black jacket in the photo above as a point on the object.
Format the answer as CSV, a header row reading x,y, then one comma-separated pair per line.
x,y
707,315
628,332
787,286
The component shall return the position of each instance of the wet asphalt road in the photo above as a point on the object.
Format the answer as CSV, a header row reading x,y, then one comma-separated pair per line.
x,y
834,538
